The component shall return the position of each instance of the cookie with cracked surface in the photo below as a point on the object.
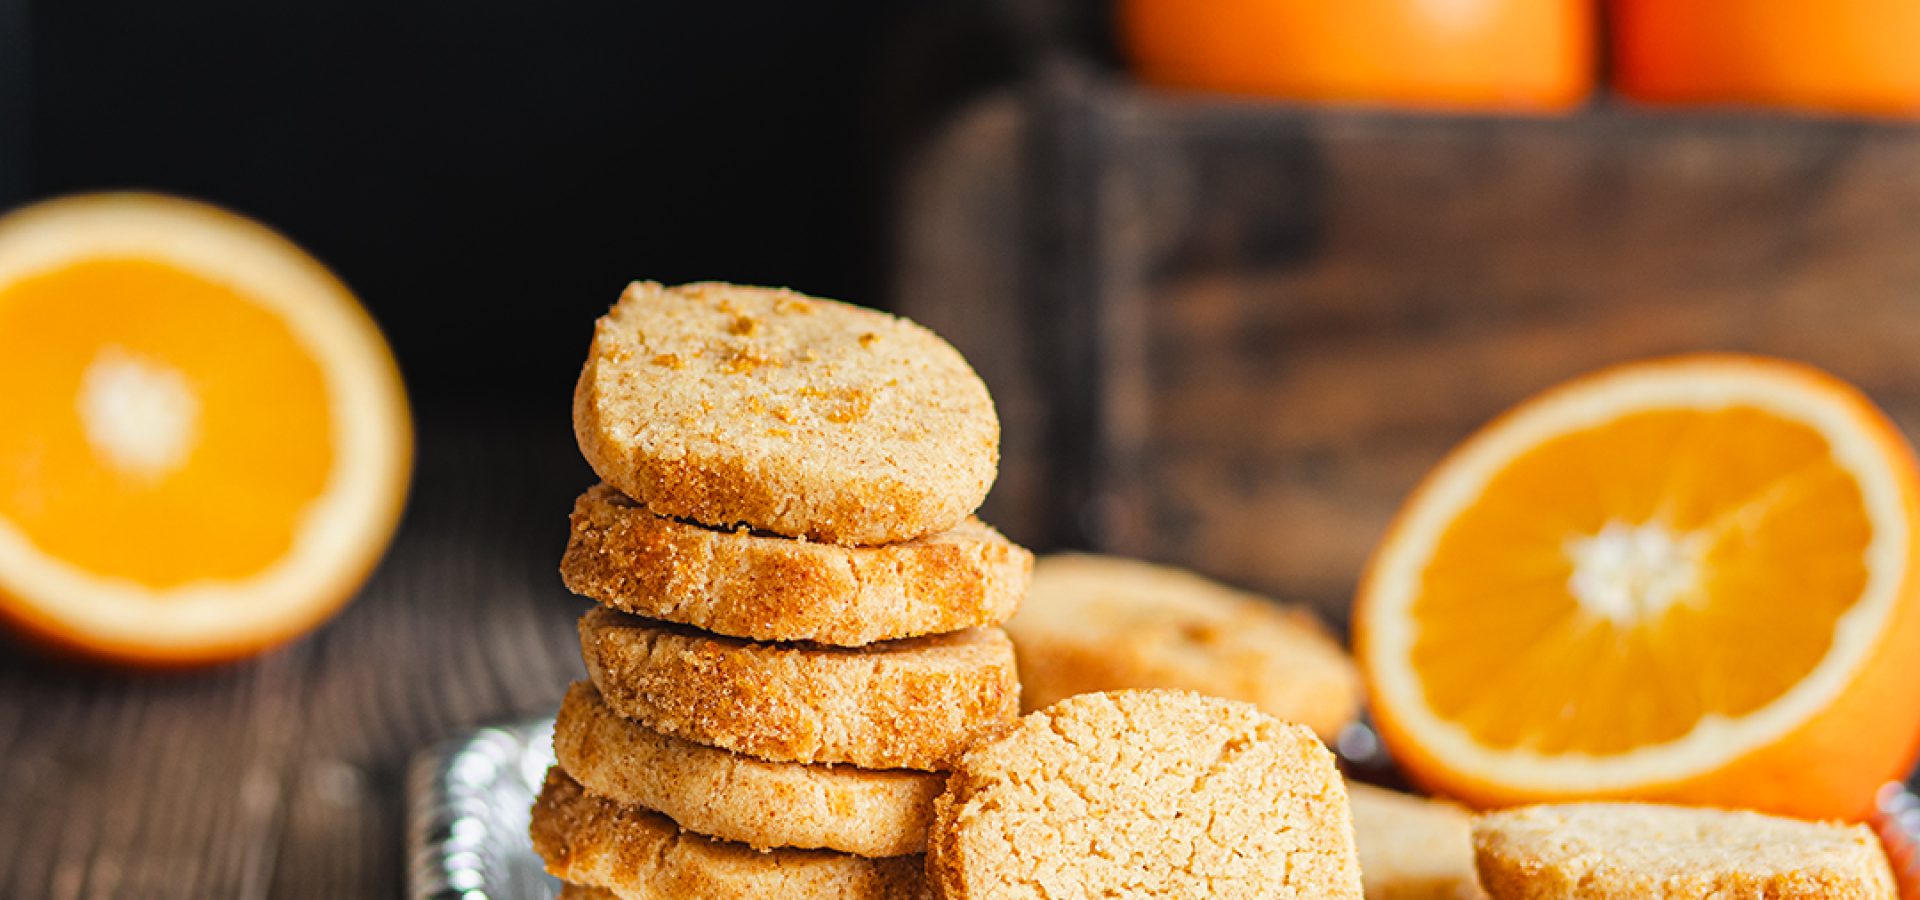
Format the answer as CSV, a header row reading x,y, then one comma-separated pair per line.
x,y
727,404
727,795
1145,794
1412,848
1604,851
768,588
907,704
638,854
1101,623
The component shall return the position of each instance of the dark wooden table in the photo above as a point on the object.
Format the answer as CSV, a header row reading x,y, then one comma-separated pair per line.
x,y
283,776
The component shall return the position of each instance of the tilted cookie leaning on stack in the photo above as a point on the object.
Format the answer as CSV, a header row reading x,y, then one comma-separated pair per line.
x,y
797,632
1105,623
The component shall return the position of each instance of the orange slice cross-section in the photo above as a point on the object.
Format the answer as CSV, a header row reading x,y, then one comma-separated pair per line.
x,y
1687,579
204,442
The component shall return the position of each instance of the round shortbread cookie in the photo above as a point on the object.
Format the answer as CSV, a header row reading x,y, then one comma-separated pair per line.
x,y
727,795
804,417
638,854
1145,794
909,704
1615,851
1411,848
1103,623
775,589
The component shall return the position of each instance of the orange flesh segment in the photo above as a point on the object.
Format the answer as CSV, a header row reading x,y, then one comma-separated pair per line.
x,y
257,453
1776,533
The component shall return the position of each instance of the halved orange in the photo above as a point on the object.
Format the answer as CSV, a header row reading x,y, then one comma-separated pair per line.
x,y
1689,580
204,441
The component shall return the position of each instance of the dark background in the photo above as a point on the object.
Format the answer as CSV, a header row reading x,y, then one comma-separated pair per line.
x,y
486,174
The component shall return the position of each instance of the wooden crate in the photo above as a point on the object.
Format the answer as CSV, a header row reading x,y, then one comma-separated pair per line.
x,y
1235,335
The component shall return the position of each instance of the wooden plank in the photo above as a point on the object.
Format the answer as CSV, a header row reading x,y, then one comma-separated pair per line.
x,y
465,624
128,785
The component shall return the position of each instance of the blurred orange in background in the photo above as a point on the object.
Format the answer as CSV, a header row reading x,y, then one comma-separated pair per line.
x,y
1694,580
205,443
1860,56
1514,55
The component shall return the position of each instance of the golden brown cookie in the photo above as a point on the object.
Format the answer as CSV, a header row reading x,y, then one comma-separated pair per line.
x,y
722,794
909,704
1615,851
1411,848
1145,794
810,418
583,892
638,854
774,589
1102,623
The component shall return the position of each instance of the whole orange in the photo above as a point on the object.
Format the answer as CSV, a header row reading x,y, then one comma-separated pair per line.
x,y
1837,55
1524,55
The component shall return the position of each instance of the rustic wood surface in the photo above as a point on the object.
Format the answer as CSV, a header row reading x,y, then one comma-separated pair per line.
x,y
282,777
1243,331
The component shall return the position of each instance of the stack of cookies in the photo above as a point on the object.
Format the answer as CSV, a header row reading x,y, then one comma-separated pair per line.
x,y
796,634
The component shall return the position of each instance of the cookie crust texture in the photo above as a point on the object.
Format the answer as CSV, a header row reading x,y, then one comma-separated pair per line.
x,y
1100,623
1615,851
766,588
637,854
1165,794
804,417
911,704
726,795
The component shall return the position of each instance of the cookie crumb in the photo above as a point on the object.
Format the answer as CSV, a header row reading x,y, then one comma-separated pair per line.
x,y
745,360
841,406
